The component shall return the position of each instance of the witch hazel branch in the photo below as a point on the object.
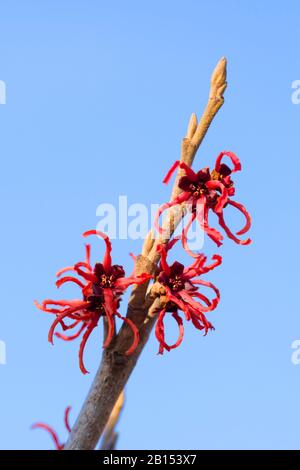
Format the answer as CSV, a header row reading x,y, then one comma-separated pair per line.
x,y
160,288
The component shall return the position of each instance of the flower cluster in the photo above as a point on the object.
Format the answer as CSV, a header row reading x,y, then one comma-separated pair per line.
x,y
206,191
101,288
201,192
181,290
52,432
103,284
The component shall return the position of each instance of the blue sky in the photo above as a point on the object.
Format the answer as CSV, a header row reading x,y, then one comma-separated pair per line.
x,y
98,98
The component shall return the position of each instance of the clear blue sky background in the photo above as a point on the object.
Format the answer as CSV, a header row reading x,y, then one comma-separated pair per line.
x,y
98,98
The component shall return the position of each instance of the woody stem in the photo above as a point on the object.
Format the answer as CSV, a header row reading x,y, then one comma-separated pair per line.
x,y
116,368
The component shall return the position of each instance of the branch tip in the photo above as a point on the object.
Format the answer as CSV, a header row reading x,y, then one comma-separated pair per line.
x,y
192,126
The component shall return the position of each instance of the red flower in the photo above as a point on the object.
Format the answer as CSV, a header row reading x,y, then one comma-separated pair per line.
x,y
102,288
52,432
204,191
181,291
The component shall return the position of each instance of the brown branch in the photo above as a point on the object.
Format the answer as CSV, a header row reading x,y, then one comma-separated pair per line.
x,y
115,367
110,379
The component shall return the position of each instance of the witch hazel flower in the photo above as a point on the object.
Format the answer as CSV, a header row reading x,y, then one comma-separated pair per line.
x,y
206,191
102,287
52,432
181,293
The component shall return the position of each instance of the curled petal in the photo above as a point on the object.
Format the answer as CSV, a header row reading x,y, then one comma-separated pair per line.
x,y
243,210
62,303
86,264
223,198
135,331
90,327
202,323
217,261
214,301
88,276
230,234
175,299
62,280
58,320
196,268
61,316
211,304
52,433
202,217
185,236
199,308
70,326
44,308
160,332
233,157
66,418
107,255
71,337
123,282
181,330
64,270
203,297
197,322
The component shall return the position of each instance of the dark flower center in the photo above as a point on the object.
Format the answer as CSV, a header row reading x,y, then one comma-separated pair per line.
x,y
176,283
96,303
222,175
104,281
107,279
198,189
175,280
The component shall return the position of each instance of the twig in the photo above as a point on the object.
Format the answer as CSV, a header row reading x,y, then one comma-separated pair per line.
x,y
110,436
115,367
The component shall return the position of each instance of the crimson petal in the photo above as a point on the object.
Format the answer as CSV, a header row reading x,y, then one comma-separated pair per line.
x,y
66,418
230,234
110,309
135,331
62,280
171,172
160,331
107,255
233,157
52,433
243,210
71,337
90,327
